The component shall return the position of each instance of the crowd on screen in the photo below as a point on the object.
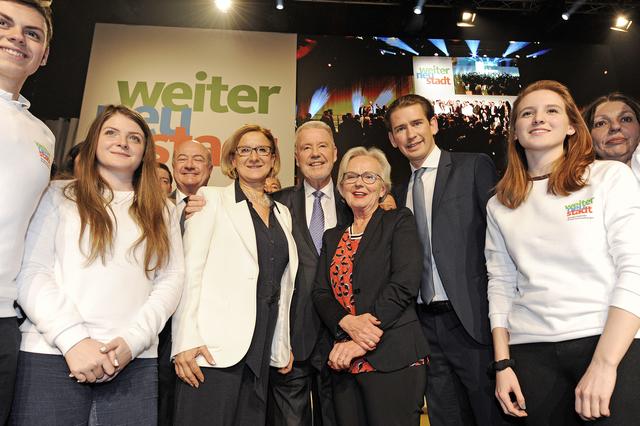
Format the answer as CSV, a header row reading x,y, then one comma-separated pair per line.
x,y
498,84
149,297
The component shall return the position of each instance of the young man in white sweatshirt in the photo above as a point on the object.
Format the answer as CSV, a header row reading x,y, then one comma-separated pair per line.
x,y
27,148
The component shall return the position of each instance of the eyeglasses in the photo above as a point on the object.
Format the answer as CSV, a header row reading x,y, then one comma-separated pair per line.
x,y
262,151
367,177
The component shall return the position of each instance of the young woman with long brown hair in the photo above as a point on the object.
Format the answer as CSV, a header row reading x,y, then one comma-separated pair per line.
x,y
564,271
102,272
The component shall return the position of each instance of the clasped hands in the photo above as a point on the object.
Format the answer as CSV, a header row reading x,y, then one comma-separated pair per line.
x,y
91,361
365,336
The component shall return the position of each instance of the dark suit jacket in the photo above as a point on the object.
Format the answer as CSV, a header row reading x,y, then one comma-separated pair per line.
x,y
386,277
305,325
464,184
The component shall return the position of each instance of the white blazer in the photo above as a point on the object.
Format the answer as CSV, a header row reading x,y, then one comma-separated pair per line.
x,y
218,306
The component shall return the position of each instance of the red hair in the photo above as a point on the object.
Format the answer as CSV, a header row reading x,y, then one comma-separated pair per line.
x,y
568,173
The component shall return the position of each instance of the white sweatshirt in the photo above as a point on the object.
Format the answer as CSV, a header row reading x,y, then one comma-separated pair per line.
x,y
67,300
27,153
557,263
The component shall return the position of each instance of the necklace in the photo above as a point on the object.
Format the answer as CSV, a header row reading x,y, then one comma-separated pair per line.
x,y
541,177
256,197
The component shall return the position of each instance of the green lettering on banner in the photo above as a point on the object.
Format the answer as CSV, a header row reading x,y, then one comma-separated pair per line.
x,y
140,90
241,99
265,92
176,91
235,97
216,89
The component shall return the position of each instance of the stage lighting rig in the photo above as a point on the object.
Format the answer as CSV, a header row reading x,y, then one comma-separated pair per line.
x,y
279,4
418,8
621,23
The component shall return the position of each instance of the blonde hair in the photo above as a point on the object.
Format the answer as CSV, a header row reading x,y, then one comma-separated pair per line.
x,y
231,144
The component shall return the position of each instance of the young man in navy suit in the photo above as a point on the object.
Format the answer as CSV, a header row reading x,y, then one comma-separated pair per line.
x,y
452,305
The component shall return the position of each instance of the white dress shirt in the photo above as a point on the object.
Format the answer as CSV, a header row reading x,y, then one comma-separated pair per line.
x,y
429,182
327,202
180,202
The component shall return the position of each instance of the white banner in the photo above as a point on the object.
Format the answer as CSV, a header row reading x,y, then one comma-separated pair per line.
x,y
433,77
196,84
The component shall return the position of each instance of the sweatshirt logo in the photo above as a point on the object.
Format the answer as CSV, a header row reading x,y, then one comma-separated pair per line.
x,y
582,209
45,156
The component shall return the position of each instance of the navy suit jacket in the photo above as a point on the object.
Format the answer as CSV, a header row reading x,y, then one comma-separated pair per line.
x,y
464,184
306,326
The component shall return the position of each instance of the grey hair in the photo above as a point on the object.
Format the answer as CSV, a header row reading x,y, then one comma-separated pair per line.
x,y
376,154
314,124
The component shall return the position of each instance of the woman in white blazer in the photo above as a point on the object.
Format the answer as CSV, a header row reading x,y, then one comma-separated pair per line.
x,y
233,319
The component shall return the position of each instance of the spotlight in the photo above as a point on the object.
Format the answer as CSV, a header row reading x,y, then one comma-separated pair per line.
x,y
473,47
279,4
418,8
467,19
514,46
440,44
575,6
622,23
223,5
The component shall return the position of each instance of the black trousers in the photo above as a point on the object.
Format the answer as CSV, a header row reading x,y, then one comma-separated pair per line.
x,y
9,349
460,391
291,396
166,377
228,397
379,399
548,374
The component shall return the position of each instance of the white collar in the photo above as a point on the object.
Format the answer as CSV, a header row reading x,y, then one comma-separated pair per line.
x,y
8,96
327,190
179,196
432,160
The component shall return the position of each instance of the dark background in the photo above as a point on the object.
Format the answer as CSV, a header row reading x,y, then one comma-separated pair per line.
x,y
583,47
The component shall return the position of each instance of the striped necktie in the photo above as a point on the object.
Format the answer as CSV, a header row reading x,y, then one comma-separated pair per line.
x,y
316,225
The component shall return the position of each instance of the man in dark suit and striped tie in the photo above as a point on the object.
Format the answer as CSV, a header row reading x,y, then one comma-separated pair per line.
x,y
315,206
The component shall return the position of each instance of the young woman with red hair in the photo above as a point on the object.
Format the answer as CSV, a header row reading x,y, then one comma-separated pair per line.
x,y
564,271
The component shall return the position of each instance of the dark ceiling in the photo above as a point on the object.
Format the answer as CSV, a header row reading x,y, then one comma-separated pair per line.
x,y
56,91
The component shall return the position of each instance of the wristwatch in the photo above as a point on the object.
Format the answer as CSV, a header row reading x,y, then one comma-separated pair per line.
x,y
502,364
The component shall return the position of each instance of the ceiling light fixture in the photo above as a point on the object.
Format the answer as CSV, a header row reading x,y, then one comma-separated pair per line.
x,y
622,24
223,5
467,19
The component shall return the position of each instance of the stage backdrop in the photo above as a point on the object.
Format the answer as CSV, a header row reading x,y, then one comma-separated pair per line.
x,y
196,84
